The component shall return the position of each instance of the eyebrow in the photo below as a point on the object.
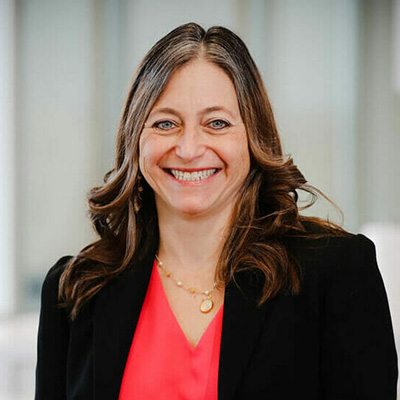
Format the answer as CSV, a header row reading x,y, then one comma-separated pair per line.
x,y
169,110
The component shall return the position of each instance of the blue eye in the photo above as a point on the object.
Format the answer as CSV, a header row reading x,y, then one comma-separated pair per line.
x,y
219,124
165,125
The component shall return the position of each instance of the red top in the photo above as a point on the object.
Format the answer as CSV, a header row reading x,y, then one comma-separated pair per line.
x,y
162,364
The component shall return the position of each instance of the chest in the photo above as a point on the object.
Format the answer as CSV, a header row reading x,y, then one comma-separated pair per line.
x,y
185,309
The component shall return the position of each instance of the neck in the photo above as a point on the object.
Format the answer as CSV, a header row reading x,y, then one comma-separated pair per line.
x,y
192,244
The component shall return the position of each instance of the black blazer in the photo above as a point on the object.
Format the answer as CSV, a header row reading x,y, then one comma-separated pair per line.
x,y
333,341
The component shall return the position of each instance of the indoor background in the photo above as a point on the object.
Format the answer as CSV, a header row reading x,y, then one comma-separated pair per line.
x,y
332,71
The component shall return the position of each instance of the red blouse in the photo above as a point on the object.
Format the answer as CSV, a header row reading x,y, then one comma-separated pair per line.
x,y
161,363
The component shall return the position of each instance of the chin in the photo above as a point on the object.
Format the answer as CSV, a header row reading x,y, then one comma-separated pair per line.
x,y
192,209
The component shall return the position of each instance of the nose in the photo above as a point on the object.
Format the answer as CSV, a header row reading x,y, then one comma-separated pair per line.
x,y
190,144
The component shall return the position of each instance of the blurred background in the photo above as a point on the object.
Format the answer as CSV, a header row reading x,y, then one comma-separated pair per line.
x,y
332,71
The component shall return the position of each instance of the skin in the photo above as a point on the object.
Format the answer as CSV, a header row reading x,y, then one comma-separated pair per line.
x,y
194,125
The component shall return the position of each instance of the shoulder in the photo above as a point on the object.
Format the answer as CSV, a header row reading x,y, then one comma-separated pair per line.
x,y
348,258
316,243
52,278
54,273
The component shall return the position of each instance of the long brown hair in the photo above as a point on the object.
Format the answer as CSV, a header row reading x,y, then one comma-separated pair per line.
x,y
266,211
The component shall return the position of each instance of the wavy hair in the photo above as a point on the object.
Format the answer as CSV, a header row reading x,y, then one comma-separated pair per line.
x,y
265,213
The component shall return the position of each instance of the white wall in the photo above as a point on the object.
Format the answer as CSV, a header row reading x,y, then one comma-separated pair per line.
x,y
378,116
7,160
57,152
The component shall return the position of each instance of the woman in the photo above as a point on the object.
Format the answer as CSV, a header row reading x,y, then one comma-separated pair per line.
x,y
206,282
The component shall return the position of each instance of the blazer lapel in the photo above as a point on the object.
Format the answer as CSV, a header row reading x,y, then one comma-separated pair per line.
x,y
117,312
242,322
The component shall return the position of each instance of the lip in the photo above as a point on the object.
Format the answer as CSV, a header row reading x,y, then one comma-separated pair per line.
x,y
191,183
192,169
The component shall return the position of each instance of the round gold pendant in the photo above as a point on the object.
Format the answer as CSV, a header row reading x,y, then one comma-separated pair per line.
x,y
206,306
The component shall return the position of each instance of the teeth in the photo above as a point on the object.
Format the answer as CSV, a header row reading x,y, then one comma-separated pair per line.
x,y
192,176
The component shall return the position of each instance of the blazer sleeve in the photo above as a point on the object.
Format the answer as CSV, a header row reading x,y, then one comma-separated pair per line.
x,y
53,336
359,358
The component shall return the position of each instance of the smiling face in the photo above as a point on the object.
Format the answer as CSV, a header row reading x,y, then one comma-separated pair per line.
x,y
193,148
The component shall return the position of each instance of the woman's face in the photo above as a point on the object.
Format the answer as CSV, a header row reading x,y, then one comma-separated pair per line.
x,y
193,148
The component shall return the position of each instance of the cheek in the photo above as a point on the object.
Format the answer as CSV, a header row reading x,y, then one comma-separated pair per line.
x,y
238,153
151,151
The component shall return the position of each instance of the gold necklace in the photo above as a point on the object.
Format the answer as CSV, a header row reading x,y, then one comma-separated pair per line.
x,y
206,304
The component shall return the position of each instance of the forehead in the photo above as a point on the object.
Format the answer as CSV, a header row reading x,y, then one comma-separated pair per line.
x,y
199,83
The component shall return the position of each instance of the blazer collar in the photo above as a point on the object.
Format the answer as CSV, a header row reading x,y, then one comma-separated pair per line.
x,y
117,312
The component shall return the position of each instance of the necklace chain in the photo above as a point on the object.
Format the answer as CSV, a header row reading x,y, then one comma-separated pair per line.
x,y
207,304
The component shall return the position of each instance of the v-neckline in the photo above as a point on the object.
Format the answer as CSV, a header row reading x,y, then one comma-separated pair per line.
x,y
173,317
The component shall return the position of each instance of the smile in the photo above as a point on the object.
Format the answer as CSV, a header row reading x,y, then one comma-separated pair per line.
x,y
192,176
